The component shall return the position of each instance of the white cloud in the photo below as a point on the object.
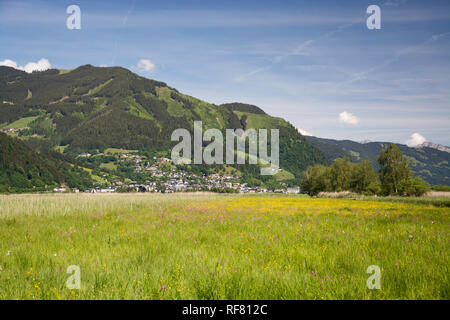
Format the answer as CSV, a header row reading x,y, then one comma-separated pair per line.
x,y
103,66
435,37
303,131
145,65
8,63
41,65
416,139
348,118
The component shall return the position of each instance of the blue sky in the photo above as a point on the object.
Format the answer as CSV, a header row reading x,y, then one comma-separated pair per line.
x,y
314,63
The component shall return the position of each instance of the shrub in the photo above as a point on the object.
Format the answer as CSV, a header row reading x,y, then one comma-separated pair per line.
x,y
413,187
441,188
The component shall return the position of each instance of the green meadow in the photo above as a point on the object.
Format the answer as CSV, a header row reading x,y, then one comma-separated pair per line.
x,y
206,246
21,123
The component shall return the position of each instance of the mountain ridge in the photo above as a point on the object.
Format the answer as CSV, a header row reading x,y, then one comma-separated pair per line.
x,y
431,164
436,146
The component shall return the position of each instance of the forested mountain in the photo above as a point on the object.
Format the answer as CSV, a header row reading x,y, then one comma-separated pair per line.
x,y
92,108
430,164
23,168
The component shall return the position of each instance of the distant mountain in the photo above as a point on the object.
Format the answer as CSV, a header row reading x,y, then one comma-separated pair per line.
x,y
439,147
91,108
430,163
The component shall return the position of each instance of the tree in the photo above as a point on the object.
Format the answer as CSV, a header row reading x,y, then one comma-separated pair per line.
x,y
341,174
316,179
394,168
413,187
364,178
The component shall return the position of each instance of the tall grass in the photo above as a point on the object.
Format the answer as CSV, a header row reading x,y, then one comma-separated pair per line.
x,y
220,247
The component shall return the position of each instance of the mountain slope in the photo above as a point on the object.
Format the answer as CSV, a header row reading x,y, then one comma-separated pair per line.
x,y
92,108
24,169
431,164
439,147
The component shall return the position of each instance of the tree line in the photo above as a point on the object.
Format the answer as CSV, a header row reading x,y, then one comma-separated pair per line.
x,y
393,178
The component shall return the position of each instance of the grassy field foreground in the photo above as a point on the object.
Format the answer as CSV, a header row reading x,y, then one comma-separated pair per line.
x,y
221,247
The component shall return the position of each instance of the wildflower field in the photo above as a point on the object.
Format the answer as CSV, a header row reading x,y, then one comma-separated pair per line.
x,y
203,246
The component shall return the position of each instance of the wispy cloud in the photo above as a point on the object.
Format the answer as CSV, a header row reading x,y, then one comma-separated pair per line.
x,y
301,48
18,12
394,3
400,53
251,73
44,12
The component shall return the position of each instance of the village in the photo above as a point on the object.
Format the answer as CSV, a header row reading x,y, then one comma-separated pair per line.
x,y
161,175
12,130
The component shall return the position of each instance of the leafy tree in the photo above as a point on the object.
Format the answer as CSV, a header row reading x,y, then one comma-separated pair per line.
x,y
394,168
341,174
316,179
413,187
364,178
